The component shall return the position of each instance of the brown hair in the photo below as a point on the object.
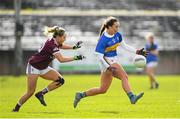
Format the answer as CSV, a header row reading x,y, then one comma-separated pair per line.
x,y
107,23
55,31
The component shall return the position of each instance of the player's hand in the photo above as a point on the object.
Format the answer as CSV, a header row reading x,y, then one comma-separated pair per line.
x,y
78,45
79,57
112,69
142,52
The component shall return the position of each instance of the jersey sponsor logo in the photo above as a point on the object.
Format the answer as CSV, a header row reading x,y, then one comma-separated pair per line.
x,y
117,38
112,42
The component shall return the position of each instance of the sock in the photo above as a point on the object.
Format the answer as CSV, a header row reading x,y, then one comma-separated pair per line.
x,y
83,94
130,95
45,90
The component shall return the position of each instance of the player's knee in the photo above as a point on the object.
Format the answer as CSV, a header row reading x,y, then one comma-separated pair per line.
x,y
30,92
102,91
151,75
124,77
59,81
148,73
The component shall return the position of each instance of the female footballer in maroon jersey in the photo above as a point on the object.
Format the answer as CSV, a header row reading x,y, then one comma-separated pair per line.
x,y
38,65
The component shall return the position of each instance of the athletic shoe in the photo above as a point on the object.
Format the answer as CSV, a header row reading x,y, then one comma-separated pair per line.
x,y
135,98
15,110
40,97
156,85
78,97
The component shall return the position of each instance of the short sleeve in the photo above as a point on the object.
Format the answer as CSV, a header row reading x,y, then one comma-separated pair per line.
x,y
119,36
151,47
54,49
155,46
101,45
146,47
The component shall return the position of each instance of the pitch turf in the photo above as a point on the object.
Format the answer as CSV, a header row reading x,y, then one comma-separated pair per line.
x,y
164,102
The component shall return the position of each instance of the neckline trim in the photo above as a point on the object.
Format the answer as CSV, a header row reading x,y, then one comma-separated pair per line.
x,y
108,35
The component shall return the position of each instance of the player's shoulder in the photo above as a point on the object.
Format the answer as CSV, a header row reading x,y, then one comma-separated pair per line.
x,y
155,43
119,36
118,33
103,38
51,42
53,45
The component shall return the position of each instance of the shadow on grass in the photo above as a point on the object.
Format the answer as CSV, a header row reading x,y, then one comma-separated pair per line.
x,y
45,112
109,112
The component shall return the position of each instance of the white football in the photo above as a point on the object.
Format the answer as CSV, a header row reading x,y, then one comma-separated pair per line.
x,y
139,61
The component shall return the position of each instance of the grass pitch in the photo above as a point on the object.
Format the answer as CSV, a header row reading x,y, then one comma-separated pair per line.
x,y
161,103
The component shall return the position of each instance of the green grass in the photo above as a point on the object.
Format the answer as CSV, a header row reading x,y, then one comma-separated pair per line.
x,y
161,103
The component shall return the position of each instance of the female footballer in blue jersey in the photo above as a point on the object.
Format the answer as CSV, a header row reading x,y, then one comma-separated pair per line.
x,y
106,52
152,60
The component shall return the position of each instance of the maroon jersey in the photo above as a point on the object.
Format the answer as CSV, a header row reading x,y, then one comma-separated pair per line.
x,y
44,57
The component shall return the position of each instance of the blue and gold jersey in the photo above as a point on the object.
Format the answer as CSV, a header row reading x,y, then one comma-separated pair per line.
x,y
107,45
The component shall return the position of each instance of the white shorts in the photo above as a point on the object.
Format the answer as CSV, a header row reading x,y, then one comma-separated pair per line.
x,y
111,60
32,70
152,64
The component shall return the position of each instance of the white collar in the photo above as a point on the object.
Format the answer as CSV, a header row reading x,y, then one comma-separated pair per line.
x,y
108,35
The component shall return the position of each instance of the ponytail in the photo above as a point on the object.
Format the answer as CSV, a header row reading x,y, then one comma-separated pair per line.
x,y
54,31
103,27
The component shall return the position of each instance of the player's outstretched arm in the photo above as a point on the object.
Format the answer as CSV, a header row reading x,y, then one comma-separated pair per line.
x,y
62,59
65,46
76,46
133,50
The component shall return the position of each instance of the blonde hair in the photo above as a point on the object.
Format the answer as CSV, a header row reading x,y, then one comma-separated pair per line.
x,y
54,31
148,35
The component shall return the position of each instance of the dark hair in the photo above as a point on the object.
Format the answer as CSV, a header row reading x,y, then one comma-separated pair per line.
x,y
56,31
107,23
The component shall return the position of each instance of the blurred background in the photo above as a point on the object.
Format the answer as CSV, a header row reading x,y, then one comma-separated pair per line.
x,y
22,23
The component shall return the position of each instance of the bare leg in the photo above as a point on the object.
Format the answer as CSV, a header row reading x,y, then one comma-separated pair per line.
x,y
106,79
52,75
31,83
57,82
121,74
150,73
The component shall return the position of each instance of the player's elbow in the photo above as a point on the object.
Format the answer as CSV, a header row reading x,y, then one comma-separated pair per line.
x,y
60,58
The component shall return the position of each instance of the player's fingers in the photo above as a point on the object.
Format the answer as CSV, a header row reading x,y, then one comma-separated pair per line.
x,y
141,49
83,57
79,43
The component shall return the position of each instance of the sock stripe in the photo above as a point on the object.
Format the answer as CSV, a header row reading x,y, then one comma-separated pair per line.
x,y
47,89
19,103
